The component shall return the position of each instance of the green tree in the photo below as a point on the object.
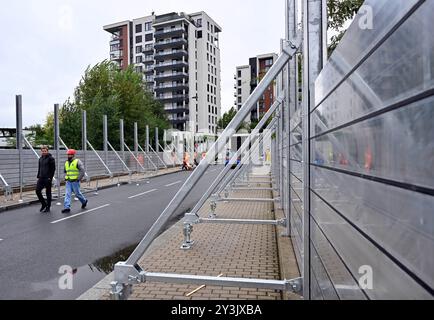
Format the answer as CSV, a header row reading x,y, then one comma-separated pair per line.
x,y
119,94
227,118
339,12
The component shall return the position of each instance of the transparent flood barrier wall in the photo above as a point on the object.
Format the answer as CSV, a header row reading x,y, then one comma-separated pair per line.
x,y
372,161
9,165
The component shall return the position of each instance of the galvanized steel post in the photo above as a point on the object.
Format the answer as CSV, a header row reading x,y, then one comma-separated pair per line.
x,y
19,142
57,148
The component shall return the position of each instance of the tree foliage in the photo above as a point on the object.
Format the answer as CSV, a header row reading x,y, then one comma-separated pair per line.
x,y
339,12
227,118
106,90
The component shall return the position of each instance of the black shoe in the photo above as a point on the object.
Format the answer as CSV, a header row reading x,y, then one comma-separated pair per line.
x,y
84,205
42,208
47,209
66,211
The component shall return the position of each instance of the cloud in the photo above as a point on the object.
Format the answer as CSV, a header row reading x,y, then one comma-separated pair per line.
x,y
65,21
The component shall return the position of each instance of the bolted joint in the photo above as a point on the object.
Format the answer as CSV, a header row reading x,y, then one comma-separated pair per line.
x,y
226,193
282,222
191,218
294,285
125,276
128,274
188,243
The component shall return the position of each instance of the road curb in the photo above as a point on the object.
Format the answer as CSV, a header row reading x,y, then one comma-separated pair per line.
x,y
32,202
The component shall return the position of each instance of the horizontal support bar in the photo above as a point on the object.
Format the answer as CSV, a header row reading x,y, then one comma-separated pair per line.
x,y
253,188
242,221
248,199
283,285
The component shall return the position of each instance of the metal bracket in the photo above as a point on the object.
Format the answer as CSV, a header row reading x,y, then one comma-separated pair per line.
x,y
282,222
125,277
295,285
189,221
293,45
213,206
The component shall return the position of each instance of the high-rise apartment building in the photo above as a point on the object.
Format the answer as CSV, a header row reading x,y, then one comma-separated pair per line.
x,y
179,57
246,80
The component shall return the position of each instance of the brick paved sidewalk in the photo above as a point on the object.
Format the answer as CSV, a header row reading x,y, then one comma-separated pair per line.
x,y
247,251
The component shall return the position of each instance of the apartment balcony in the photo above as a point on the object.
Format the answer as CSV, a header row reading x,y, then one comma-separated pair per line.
x,y
148,49
171,65
171,87
173,32
148,69
116,55
170,43
148,60
176,109
174,54
115,41
173,98
173,76
149,79
181,120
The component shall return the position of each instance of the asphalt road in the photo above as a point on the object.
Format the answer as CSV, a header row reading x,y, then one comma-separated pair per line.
x,y
34,246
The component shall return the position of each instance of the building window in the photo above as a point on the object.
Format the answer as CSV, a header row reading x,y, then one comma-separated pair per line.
x,y
239,91
239,99
239,83
199,34
139,39
138,28
139,49
148,37
269,62
199,23
148,26
239,73
139,59
208,36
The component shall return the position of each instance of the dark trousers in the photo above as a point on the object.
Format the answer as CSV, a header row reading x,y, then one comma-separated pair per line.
x,y
44,183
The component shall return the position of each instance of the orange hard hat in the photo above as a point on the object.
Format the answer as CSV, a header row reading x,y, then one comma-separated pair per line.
x,y
71,152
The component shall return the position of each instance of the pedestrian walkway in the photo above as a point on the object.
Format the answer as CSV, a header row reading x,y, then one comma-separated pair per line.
x,y
226,250
29,197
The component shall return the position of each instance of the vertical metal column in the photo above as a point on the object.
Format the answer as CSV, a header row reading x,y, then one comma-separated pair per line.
x,y
157,141
314,21
19,142
57,148
147,139
291,97
122,139
136,142
84,137
105,137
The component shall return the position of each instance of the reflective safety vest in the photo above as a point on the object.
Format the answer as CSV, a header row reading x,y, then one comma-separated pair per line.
x,y
72,172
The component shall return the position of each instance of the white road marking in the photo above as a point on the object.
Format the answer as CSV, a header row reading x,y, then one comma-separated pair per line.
x,y
142,194
1,239
172,184
80,214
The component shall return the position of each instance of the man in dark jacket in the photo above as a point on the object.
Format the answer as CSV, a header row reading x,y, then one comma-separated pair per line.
x,y
47,167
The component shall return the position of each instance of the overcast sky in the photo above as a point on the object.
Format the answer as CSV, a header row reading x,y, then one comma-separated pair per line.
x,y
47,44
